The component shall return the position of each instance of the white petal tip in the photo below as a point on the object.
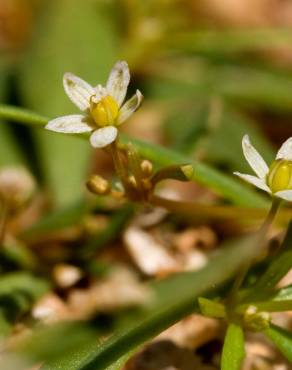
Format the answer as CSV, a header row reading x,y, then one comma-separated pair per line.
x,y
121,64
254,159
246,140
285,152
139,95
103,136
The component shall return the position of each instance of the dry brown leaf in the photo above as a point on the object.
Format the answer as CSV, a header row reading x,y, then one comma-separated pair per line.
x,y
66,275
192,332
120,289
151,257
50,309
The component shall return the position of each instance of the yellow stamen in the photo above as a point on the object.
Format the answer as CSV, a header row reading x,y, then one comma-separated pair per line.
x,y
280,175
105,111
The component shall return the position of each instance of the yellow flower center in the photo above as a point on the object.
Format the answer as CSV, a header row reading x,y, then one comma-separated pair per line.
x,y
280,175
105,111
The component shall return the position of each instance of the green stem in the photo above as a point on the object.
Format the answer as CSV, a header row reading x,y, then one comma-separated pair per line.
x,y
21,115
208,176
233,295
119,166
3,221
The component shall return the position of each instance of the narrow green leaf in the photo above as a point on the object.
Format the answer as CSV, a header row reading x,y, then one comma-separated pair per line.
x,y
117,222
280,300
60,218
238,84
72,36
212,308
230,41
224,185
218,148
22,281
10,153
168,308
233,349
276,270
282,340
283,294
18,291
268,306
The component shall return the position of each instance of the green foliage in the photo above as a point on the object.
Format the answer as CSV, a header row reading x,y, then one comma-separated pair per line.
x,y
282,340
207,66
10,153
233,349
72,36
225,185
168,308
279,266
206,175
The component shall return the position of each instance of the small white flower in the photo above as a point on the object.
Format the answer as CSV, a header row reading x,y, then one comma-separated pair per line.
x,y
102,107
276,179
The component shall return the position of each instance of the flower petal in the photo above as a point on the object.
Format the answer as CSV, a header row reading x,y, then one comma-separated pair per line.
x,y
129,107
103,136
259,183
100,92
254,159
78,91
74,124
284,194
118,82
285,152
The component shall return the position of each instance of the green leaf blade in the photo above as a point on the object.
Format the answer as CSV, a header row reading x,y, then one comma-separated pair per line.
x,y
233,349
282,340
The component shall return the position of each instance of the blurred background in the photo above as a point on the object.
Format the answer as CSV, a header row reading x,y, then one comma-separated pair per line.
x,y
210,71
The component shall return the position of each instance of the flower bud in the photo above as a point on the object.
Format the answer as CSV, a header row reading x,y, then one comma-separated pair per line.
x,y
255,320
146,167
16,186
98,185
280,175
105,111
132,181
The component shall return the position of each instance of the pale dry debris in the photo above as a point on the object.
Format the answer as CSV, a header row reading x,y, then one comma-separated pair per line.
x,y
286,280
150,217
192,332
66,275
192,238
261,356
151,257
194,260
283,319
235,12
119,290
50,309
164,355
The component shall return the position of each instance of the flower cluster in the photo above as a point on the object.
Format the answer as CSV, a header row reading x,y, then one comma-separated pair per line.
x,y
102,107
276,179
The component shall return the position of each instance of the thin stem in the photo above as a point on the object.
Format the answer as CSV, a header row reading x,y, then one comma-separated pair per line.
x,y
197,211
3,221
270,216
21,115
232,298
119,167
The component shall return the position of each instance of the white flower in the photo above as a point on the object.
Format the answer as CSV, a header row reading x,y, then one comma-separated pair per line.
x,y
102,107
276,179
